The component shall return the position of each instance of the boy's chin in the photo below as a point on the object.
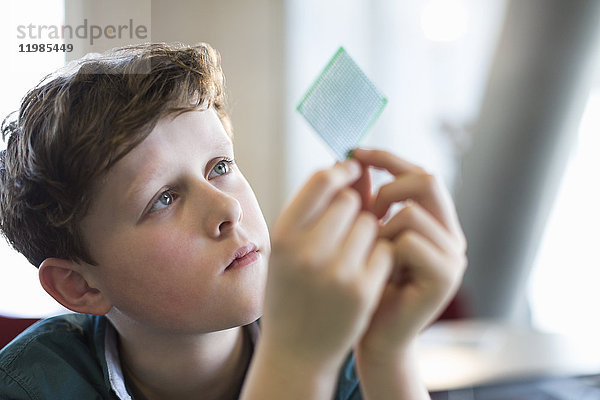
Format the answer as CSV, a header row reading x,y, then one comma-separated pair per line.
x,y
250,316
238,322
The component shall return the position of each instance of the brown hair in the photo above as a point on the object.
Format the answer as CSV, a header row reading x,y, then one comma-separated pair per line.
x,y
73,127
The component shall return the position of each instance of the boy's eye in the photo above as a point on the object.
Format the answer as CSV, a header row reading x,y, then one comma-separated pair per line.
x,y
221,168
164,200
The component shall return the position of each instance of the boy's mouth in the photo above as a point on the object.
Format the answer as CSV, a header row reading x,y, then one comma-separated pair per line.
x,y
243,256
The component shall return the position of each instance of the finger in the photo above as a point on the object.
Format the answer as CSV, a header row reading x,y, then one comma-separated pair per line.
x,y
433,195
379,266
414,217
423,266
358,244
316,195
424,189
425,263
364,187
381,159
333,225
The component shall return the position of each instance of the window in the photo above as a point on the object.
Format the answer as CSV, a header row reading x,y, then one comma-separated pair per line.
x,y
563,290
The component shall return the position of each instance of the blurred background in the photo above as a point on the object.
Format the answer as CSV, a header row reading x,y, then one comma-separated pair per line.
x,y
500,98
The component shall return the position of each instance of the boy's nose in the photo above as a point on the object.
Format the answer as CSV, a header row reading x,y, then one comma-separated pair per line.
x,y
223,213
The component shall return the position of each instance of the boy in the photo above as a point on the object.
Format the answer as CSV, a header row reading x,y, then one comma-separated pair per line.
x,y
119,183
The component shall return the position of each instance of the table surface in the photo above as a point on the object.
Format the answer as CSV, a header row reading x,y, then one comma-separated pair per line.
x,y
465,353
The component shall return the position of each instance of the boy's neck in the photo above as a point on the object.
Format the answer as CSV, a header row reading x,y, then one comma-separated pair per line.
x,y
210,366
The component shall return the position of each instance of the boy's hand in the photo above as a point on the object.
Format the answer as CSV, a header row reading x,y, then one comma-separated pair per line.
x,y
327,271
429,255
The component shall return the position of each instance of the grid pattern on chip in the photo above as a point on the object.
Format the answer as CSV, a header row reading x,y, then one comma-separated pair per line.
x,y
342,104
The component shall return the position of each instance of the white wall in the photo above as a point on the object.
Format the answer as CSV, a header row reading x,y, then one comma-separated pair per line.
x,y
20,291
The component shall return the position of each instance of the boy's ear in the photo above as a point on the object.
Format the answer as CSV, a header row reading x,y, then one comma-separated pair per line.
x,y
63,281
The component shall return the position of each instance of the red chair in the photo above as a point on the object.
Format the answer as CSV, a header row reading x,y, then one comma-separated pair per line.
x,y
457,309
11,327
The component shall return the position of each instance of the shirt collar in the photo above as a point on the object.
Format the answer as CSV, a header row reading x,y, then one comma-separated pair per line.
x,y
113,361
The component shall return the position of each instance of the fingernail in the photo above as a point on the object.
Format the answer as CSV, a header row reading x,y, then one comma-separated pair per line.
x,y
353,166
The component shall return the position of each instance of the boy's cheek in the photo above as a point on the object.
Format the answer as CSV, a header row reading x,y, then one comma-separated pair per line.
x,y
158,267
166,251
254,219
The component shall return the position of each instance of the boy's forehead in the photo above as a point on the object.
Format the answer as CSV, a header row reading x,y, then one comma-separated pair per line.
x,y
174,140
199,131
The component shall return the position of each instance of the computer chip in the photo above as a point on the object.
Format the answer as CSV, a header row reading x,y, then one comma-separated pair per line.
x,y
342,104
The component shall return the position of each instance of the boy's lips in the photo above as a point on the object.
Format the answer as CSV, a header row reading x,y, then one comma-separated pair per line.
x,y
243,256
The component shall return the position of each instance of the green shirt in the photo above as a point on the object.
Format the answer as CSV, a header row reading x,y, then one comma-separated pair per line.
x,y
75,356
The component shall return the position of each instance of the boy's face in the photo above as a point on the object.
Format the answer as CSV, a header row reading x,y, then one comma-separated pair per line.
x,y
166,223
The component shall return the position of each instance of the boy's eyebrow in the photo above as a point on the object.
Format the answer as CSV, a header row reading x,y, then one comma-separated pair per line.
x,y
139,183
